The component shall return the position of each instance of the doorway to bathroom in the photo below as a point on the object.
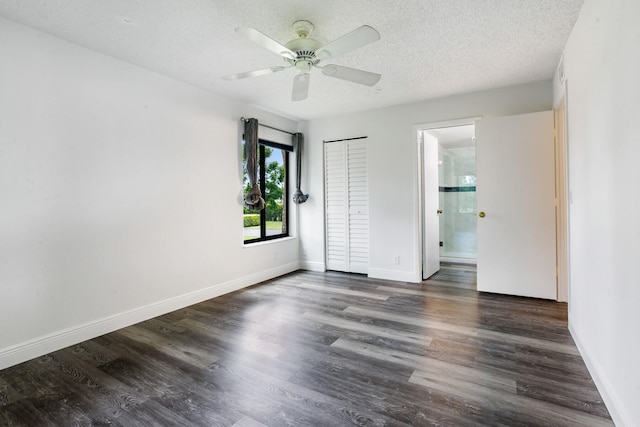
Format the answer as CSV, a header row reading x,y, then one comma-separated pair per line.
x,y
448,194
520,200
457,193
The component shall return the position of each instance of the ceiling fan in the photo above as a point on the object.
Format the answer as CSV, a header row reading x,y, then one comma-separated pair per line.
x,y
305,53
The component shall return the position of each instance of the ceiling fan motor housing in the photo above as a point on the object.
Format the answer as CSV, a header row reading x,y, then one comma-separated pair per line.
x,y
304,47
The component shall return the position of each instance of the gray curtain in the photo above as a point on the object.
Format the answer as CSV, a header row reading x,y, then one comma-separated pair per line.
x,y
253,199
298,197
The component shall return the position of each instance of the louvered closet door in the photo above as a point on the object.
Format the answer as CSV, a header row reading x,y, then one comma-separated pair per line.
x,y
358,200
335,178
347,206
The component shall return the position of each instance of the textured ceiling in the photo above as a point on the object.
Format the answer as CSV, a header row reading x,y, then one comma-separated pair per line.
x,y
428,48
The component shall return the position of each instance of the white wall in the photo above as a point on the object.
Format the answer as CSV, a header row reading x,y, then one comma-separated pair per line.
x,y
602,67
121,195
393,170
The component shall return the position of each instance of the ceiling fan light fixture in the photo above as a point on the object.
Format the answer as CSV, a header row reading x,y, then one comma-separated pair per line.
x,y
304,53
304,66
300,87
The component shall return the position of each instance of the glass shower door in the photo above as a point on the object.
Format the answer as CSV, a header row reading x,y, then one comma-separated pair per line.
x,y
457,191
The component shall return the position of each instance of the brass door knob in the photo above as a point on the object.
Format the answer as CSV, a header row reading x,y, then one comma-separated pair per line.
x,y
439,211
481,214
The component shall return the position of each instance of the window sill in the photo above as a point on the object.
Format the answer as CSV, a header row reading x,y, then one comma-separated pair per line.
x,y
267,242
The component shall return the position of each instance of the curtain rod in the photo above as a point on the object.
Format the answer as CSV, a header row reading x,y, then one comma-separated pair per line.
x,y
242,119
346,139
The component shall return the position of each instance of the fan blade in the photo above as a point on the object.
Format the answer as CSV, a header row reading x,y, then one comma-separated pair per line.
x,y
266,42
254,73
355,39
300,87
351,74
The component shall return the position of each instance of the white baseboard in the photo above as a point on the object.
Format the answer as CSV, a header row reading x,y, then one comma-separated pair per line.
x,y
399,276
313,266
35,348
612,401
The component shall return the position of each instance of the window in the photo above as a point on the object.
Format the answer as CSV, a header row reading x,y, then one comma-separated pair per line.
x,y
273,169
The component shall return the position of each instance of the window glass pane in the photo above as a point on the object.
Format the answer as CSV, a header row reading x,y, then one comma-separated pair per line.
x,y
272,178
275,192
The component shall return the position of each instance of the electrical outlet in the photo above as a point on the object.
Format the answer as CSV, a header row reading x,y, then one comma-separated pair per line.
x,y
396,259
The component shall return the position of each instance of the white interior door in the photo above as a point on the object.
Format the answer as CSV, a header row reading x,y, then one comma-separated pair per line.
x,y
516,205
431,200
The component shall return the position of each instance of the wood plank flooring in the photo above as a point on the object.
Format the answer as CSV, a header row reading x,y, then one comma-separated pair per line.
x,y
321,349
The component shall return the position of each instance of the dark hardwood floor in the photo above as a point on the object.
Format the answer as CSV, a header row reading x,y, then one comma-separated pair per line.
x,y
321,349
